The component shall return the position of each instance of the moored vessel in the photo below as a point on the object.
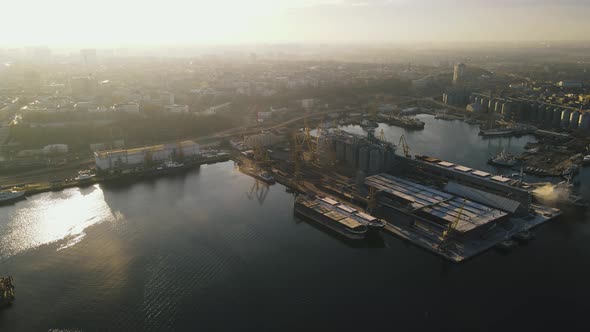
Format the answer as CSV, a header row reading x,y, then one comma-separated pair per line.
x,y
406,122
327,215
503,159
84,176
8,196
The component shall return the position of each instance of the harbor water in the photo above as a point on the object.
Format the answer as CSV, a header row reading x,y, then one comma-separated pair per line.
x,y
212,250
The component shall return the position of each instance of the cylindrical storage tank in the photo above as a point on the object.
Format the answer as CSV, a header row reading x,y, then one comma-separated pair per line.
x,y
565,118
521,111
574,118
507,110
340,151
584,122
484,103
548,116
498,106
541,113
350,154
375,161
364,158
556,119
532,112
389,158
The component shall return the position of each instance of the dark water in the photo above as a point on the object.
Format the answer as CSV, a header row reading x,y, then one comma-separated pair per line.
x,y
207,251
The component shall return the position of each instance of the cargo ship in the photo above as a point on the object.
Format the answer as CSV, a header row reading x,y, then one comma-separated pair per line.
x,y
262,176
405,122
503,159
9,196
320,211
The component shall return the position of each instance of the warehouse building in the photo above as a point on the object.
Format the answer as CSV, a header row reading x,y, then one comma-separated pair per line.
x,y
131,158
433,210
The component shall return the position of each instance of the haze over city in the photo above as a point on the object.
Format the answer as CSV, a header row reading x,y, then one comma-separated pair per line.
x,y
132,22
278,165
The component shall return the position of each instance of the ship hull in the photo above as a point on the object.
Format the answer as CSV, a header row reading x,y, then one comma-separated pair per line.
x,y
319,219
13,199
500,164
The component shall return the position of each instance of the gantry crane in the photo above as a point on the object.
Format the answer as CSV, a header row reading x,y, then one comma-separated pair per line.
x,y
405,146
296,155
447,242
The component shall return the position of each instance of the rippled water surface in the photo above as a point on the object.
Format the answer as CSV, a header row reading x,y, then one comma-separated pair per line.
x,y
208,250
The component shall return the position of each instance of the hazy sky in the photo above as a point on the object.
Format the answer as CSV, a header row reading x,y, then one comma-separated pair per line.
x,y
112,22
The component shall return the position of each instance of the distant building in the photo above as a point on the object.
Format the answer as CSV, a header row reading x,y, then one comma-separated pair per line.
x,y
131,158
88,57
83,87
55,148
129,107
458,72
570,84
457,97
31,81
262,139
175,108
262,116
307,103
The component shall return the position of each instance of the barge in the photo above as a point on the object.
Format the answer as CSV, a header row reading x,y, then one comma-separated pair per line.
x,y
326,215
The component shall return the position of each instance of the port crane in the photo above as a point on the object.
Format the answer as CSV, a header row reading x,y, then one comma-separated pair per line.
x,y
405,146
296,155
447,243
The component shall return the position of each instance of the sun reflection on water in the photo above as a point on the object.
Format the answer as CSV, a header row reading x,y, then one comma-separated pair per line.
x,y
50,217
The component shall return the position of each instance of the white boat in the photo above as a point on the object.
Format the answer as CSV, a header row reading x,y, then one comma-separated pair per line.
x,y
84,176
11,195
172,164
586,160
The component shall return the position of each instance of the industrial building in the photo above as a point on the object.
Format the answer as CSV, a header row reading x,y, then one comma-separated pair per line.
x,y
458,72
366,154
131,158
542,113
501,193
431,210
264,139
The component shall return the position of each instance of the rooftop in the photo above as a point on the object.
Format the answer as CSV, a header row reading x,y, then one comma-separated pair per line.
x,y
436,203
